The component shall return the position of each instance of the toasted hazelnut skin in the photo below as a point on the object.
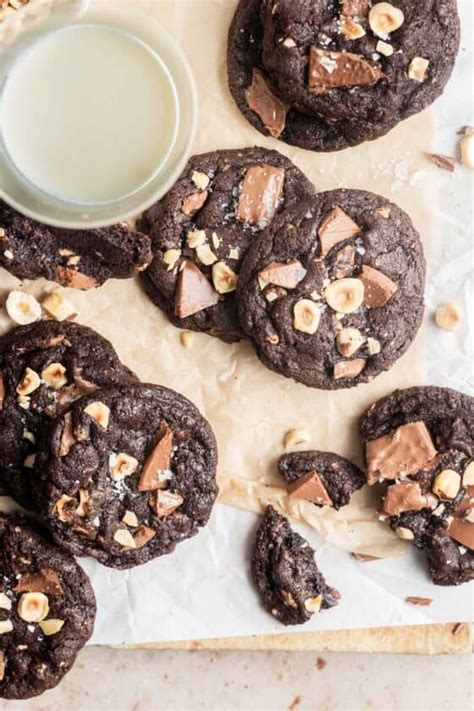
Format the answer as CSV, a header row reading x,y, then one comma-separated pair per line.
x,y
448,317
306,316
33,607
385,18
348,341
447,484
345,295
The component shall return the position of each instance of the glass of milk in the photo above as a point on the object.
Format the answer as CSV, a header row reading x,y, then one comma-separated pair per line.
x,y
98,111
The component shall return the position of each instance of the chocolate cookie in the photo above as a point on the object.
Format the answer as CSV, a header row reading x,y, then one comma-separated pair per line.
x,y
129,472
374,61
44,367
420,444
285,573
81,259
261,103
324,478
47,610
203,228
332,292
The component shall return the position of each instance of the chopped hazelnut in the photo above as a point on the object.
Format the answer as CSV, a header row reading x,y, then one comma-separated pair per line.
x,y
57,306
200,180
51,626
418,68
171,257
121,465
345,295
29,382
224,279
385,18
99,412
33,607
306,316
348,341
447,484
124,538
54,375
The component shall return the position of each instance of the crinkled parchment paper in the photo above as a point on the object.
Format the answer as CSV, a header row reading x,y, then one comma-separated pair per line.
x,y
203,590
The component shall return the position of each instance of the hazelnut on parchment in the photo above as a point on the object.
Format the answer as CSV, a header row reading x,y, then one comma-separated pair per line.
x,y
448,316
294,437
22,308
57,306
466,147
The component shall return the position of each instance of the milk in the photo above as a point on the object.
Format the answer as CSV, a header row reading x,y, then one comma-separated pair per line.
x,y
88,114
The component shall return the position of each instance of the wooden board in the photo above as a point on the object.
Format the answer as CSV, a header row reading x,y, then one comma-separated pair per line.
x,y
416,639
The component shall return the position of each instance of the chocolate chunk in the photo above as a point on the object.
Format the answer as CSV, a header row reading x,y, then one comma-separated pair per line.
x,y
165,502
158,461
45,580
334,70
74,279
407,496
378,288
311,488
143,535
280,274
462,531
260,194
345,369
194,292
67,438
192,203
262,100
344,263
336,227
406,450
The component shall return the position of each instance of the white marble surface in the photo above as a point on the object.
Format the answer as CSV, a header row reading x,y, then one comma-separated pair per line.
x,y
125,680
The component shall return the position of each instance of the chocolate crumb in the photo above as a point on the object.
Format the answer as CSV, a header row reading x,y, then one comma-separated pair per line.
x,y
296,701
445,162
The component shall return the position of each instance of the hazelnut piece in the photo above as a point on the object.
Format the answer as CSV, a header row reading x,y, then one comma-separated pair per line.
x,y
448,316
404,533
57,306
121,465
313,604
205,255
295,437
384,48
51,626
29,382
348,341
200,180
196,238
224,279
54,375
5,602
130,519
33,607
350,29
385,18
99,412
306,316
6,626
447,484
170,258
124,538
418,68
345,295
468,476
466,149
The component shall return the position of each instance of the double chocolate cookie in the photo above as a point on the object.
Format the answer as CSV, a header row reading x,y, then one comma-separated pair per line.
x,y
203,228
327,75
420,444
285,574
44,367
332,292
47,610
324,478
129,472
81,259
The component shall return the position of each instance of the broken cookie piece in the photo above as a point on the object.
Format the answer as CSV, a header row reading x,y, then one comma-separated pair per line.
x,y
285,573
324,478
420,445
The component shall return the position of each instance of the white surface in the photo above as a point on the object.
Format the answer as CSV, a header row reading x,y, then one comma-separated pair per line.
x,y
64,117
257,681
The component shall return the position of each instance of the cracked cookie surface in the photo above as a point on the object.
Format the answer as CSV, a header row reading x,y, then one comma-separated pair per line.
x,y
332,292
47,609
130,471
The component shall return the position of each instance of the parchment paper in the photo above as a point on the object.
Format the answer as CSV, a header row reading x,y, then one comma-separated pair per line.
x,y
202,590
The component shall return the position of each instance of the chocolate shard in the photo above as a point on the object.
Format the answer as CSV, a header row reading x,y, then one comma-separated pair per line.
x,y
143,535
260,194
192,203
462,531
310,487
345,369
378,288
405,450
46,580
74,279
262,99
280,274
407,496
158,461
164,503
336,227
339,70
194,292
